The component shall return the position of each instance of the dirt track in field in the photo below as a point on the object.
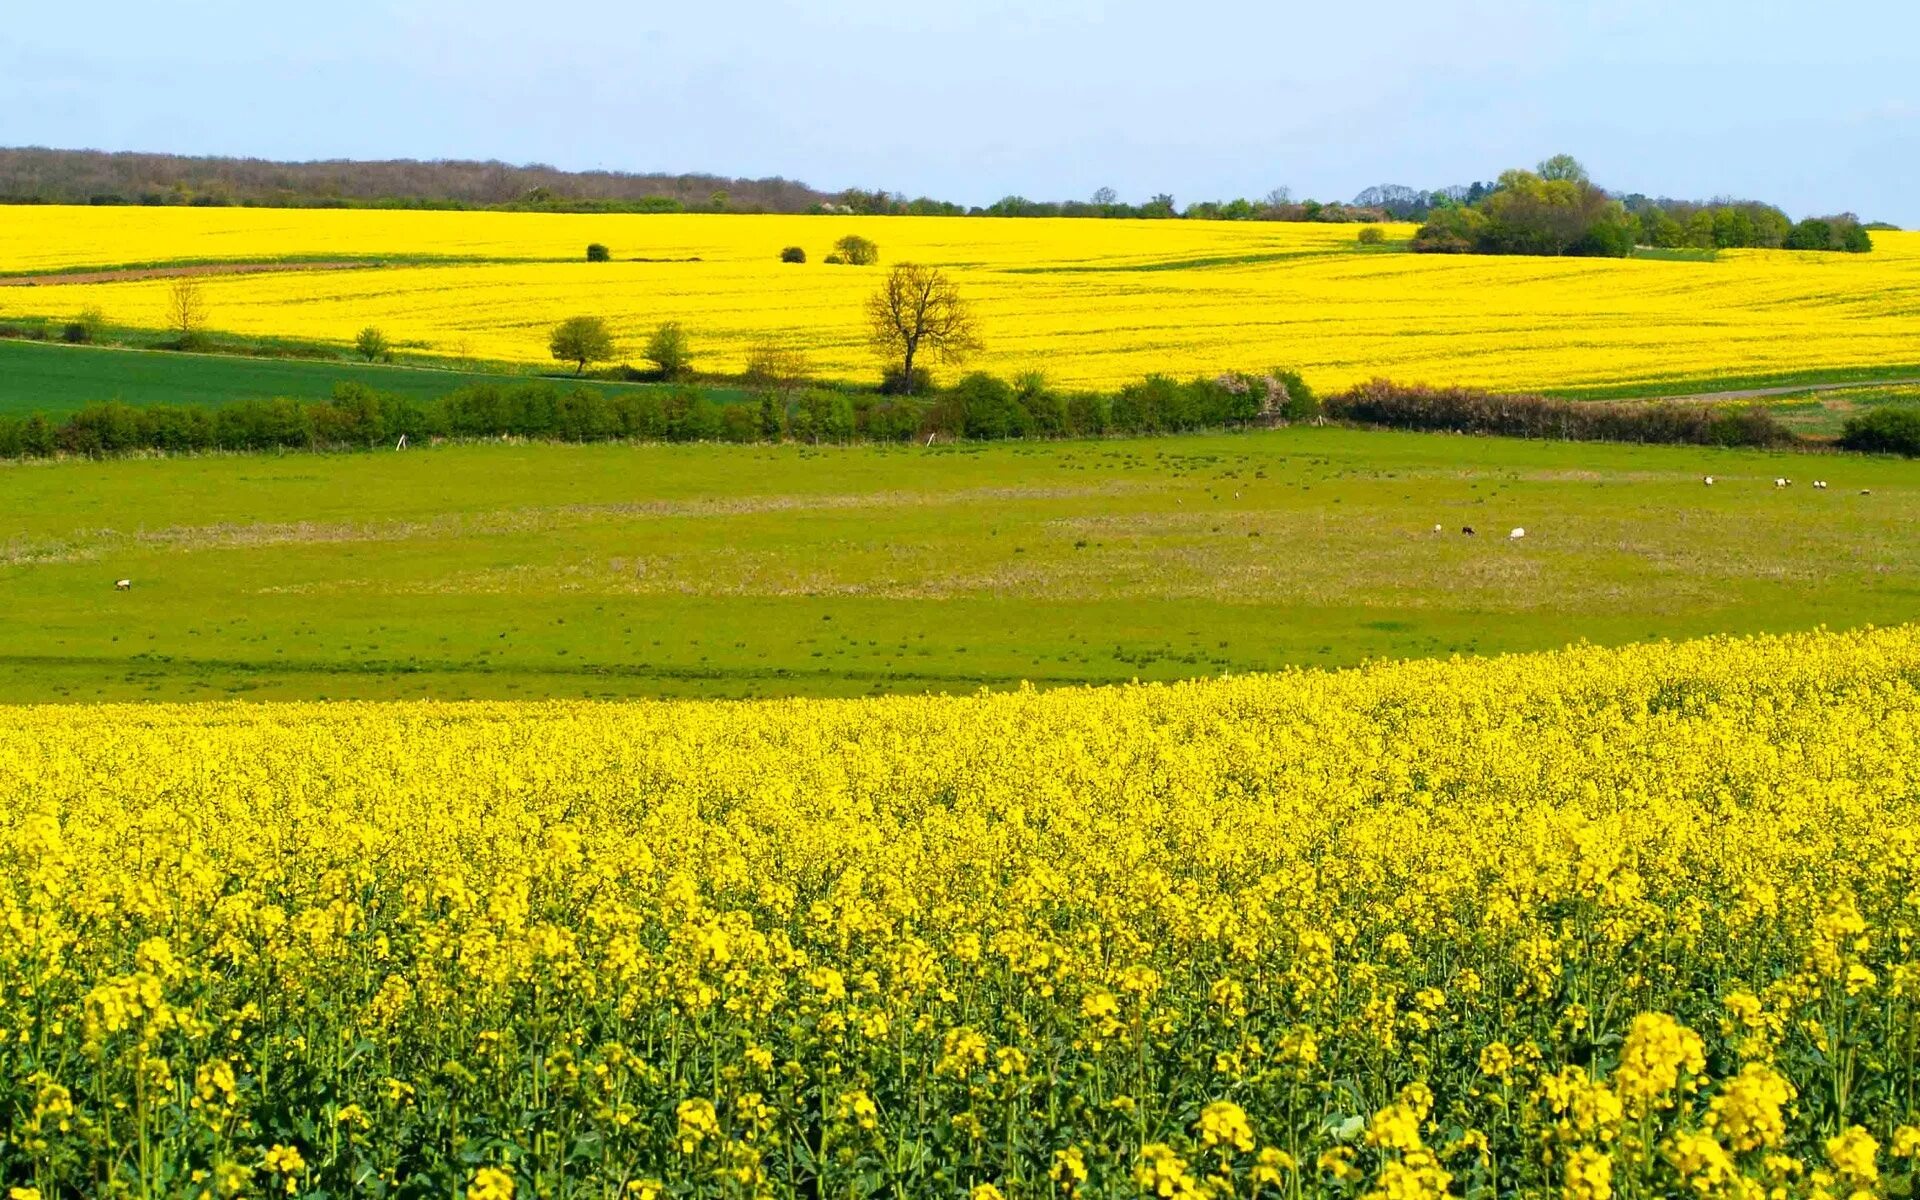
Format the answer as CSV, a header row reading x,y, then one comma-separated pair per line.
x,y
133,273
1789,390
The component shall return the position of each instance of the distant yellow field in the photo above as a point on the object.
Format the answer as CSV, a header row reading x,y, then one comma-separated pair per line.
x,y
1089,302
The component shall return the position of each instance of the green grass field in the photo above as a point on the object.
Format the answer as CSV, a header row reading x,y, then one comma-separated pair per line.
x,y
1824,414
610,570
57,379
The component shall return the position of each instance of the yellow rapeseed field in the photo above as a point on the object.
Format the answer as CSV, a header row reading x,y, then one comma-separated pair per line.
x,y
1638,923
1092,303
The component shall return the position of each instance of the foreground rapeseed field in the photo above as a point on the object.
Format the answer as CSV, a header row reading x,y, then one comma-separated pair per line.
x,y
1092,303
1595,923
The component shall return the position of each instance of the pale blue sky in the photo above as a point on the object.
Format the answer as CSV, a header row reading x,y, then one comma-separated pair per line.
x,y
1816,108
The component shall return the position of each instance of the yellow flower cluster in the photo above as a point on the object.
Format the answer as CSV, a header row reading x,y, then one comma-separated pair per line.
x,y
1091,302
1637,922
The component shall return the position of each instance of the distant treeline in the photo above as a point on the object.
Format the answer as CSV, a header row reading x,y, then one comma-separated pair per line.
x,y
34,175
1484,217
1558,210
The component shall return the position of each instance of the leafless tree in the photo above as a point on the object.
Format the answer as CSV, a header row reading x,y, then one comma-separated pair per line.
x,y
1280,197
918,308
187,309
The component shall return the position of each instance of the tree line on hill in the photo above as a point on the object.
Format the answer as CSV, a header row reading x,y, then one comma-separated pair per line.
x,y
1557,210
36,175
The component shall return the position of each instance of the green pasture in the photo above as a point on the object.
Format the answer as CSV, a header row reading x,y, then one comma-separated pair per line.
x,y
57,379
498,570
1824,414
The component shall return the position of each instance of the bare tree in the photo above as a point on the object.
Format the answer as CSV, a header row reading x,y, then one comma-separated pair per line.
x,y
778,377
187,309
1280,197
1106,197
919,308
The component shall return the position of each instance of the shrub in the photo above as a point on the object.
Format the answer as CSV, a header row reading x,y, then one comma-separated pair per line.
x,y
857,251
822,415
691,416
893,382
835,260
1295,399
1884,431
1088,413
1449,230
76,333
598,253
793,254
1044,410
985,408
739,423
1372,235
896,419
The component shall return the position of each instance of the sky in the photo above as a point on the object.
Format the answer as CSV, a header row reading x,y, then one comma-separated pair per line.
x,y
1814,109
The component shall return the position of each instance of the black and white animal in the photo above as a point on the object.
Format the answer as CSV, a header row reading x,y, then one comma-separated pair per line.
x,y
123,585
1467,529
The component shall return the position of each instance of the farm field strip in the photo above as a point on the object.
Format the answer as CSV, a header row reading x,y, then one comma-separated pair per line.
x,y
1483,927
1094,303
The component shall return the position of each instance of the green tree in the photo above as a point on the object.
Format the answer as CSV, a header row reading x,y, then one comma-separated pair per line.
x,y
668,350
857,251
581,340
1563,168
372,344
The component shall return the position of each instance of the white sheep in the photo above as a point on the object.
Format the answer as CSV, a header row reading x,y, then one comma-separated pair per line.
x,y
1709,481
1779,483
1517,534
123,585
1436,529
1821,484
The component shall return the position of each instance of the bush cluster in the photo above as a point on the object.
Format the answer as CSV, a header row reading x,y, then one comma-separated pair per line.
x,y
1884,431
1469,410
1558,210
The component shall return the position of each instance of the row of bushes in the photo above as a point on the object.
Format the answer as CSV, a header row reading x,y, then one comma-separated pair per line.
x,y
978,407
1470,410
1883,431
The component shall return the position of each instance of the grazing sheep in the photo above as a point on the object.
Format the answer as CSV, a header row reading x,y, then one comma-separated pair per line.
x,y
1779,483
1517,534
1436,529
123,585
1467,529
1709,481
1821,484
